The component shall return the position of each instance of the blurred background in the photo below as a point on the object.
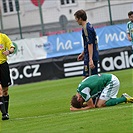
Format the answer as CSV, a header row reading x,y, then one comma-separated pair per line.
x,y
34,18
47,39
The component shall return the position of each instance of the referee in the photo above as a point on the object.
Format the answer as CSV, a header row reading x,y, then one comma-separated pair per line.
x,y
6,48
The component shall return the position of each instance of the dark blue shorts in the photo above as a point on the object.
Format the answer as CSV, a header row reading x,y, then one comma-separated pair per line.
x,y
87,71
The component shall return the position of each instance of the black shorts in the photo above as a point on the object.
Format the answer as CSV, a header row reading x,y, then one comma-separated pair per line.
x,y
5,79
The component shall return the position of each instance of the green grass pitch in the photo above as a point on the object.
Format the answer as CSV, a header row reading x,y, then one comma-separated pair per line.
x,y
43,107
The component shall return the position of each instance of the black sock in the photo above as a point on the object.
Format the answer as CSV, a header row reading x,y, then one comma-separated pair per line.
x,y
6,100
2,106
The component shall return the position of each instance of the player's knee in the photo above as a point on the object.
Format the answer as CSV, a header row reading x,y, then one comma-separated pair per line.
x,y
100,105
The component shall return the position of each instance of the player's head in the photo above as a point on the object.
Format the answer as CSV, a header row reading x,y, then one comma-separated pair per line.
x,y
80,16
130,15
74,102
77,101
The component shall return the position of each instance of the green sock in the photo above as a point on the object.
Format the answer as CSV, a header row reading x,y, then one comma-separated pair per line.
x,y
115,101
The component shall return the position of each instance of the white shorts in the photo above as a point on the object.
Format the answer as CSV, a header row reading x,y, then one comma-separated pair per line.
x,y
111,90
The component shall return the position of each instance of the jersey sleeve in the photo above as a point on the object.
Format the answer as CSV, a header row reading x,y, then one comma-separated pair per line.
x,y
8,42
85,93
91,33
128,28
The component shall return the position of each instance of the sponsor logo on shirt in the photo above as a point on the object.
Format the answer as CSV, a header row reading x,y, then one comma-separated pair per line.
x,y
1,46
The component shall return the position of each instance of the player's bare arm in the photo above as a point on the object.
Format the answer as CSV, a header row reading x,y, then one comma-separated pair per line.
x,y
89,105
10,51
81,56
129,37
90,49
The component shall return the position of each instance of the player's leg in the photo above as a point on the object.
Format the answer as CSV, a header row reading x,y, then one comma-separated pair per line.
x,y
5,82
85,71
111,102
113,95
6,98
115,101
109,94
2,105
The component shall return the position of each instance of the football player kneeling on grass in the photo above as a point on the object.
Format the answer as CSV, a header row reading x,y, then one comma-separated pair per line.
x,y
107,85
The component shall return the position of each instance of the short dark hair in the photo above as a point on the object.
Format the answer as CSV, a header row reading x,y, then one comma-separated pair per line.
x,y
74,102
130,13
81,14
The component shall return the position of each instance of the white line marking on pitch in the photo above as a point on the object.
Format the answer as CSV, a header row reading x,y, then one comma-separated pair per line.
x,y
77,112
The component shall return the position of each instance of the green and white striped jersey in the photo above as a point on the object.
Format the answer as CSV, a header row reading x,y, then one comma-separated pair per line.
x,y
92,85
130,29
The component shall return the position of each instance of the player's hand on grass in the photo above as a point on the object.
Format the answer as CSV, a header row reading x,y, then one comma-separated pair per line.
x,y
73,108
